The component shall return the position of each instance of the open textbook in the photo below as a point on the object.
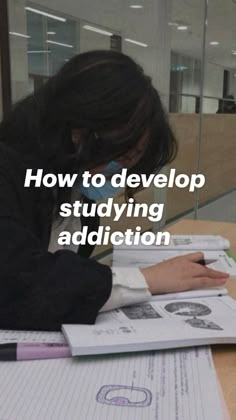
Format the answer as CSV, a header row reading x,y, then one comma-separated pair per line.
x,y
164,322
166,385
214,247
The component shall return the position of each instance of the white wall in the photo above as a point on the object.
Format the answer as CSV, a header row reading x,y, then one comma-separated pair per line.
x,y
213,86
191,85
156,58
91,40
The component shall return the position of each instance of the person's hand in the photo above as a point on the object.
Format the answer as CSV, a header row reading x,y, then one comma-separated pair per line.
x,y
182,273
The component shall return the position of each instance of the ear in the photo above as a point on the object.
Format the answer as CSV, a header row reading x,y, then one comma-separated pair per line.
x,y
76,135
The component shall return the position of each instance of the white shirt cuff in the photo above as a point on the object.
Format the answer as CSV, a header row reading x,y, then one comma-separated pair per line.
x,y
129,288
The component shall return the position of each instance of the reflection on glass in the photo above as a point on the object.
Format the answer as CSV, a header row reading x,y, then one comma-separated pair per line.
x,y
51,44
185,79
166,39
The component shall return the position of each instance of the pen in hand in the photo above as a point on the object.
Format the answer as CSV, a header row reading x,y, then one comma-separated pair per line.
x,y
206,262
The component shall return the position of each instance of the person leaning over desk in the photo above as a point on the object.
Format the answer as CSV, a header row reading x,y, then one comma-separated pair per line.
x,y
99,113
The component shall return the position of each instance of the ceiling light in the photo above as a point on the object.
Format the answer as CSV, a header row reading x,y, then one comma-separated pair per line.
x,y
51,33
136,6
214,43
233,52
235,75
136,42
173,23
39,51
40,12
182,27
98,30
59,43
18,34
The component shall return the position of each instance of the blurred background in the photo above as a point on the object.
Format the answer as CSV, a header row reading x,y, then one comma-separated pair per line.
x,y
188,47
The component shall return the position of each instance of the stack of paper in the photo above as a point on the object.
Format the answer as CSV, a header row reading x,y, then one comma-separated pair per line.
x,y
155,325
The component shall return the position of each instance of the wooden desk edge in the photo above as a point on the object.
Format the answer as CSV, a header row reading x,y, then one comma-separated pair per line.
x,y
224,355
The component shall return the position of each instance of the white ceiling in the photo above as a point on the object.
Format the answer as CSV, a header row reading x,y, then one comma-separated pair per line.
x,y
221,25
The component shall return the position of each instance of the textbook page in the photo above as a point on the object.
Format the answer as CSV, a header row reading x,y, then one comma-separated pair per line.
x,y
12,336
145,256
188,242
156,325
155,385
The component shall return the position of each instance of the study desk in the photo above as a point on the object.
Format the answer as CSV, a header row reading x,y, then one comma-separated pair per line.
x,y
224,356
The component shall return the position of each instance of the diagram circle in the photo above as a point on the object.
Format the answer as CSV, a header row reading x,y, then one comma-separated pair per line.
x,y
188,308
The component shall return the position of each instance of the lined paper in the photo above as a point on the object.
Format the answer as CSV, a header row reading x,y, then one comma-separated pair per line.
x,y
170,385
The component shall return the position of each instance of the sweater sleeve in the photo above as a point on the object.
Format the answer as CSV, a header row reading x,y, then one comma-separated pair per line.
x,y
40,290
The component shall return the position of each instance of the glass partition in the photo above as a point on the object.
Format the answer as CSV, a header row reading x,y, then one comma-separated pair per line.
x,y
186,73
217,201
188,50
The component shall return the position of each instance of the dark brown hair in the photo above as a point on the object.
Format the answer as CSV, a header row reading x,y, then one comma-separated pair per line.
x,y
95,91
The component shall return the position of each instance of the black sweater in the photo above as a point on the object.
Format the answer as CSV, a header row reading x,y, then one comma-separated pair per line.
x,y
40,290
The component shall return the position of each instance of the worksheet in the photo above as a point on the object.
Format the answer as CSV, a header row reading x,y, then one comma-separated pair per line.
x,y
167,385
